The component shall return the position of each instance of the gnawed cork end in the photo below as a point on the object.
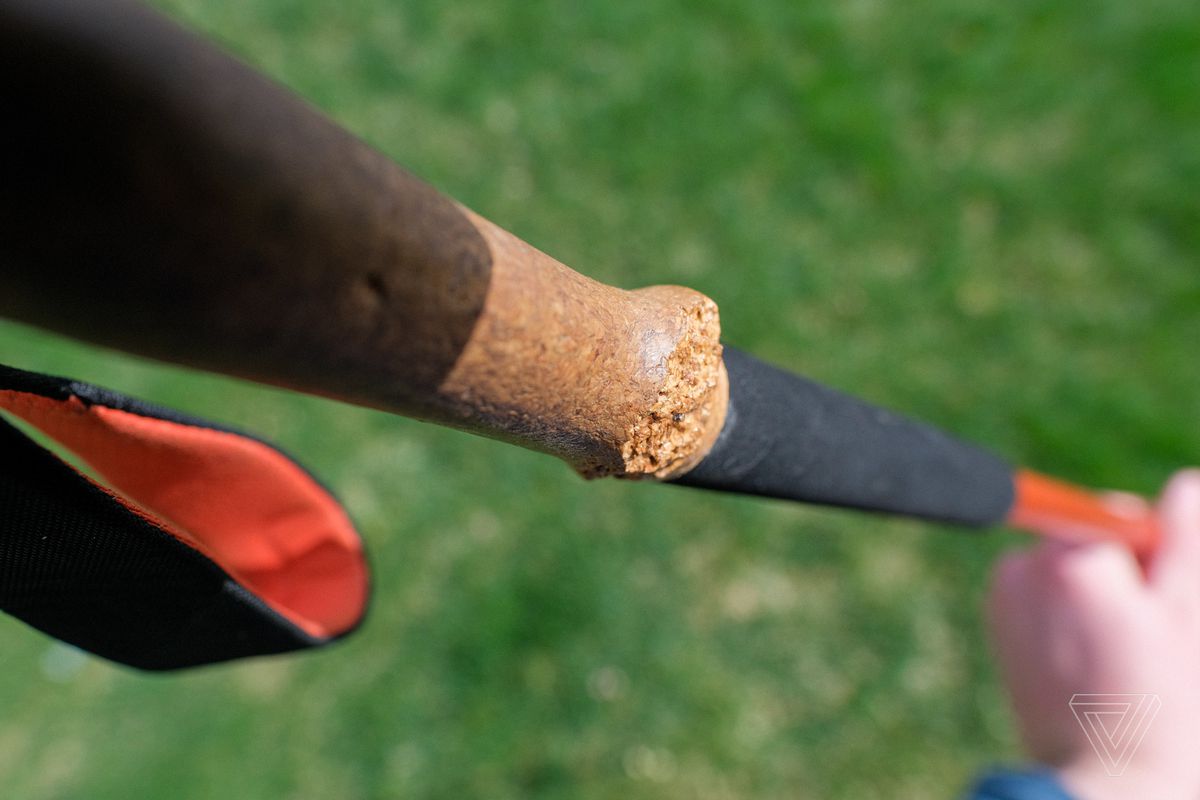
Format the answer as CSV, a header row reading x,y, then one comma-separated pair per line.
x,y
683,422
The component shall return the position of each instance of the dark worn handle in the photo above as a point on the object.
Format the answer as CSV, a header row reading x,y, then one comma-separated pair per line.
x,y
163,198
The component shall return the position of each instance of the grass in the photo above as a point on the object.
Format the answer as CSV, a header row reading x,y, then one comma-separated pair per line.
x,y
981,214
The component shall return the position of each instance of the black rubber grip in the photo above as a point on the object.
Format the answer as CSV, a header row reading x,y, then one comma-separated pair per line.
x,y
789,437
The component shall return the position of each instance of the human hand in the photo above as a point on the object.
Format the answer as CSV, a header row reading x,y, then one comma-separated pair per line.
x,y
1071,619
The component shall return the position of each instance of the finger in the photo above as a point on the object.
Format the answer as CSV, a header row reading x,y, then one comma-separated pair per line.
x,y
1086,581
1176,564
1094,574
1008,582
1009,603
1131,506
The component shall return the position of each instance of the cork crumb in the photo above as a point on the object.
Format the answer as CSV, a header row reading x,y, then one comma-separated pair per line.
x,y
686,418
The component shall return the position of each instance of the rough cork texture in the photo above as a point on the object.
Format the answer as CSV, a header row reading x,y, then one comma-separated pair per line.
x,y
614,382
686,418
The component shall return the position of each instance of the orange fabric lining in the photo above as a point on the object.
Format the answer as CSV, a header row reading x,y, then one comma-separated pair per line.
x,y
1046,505
254,512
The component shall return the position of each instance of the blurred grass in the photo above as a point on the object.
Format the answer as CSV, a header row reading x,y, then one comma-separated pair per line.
x,y
982,214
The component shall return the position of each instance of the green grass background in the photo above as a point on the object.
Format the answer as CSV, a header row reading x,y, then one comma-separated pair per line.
x,y
983,214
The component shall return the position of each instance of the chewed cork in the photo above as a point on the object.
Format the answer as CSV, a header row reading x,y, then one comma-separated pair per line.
x,y
614,382
686,417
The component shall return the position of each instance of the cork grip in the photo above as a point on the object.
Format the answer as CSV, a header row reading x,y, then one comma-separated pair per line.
x,y
615,382
165,199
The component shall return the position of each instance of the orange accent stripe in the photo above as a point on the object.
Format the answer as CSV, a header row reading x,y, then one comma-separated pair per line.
x,y
242,504
1053,508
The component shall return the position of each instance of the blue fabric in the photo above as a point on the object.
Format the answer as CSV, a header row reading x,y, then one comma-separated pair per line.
x,y
1006,784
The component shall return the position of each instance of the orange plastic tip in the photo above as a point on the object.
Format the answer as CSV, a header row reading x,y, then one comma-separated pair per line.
x,y
1054,508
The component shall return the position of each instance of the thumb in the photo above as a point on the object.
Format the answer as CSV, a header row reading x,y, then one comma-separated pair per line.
x,y
1175,566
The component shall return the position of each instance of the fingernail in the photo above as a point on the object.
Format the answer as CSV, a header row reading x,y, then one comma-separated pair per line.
x,y
1189,480
1183,494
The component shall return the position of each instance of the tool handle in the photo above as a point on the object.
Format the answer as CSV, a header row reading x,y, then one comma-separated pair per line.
x,y
163,198
1054,508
